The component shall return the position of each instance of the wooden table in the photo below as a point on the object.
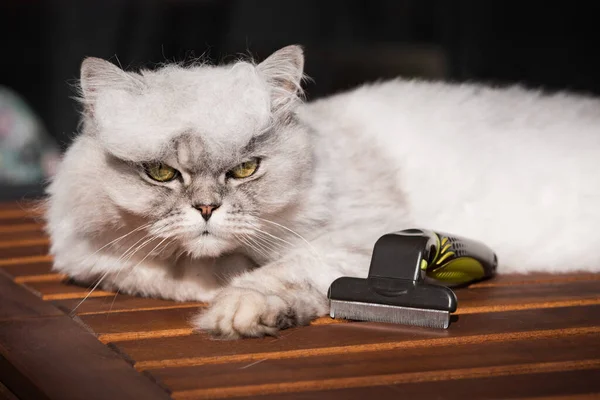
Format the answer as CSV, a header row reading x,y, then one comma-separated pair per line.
x,y
530,336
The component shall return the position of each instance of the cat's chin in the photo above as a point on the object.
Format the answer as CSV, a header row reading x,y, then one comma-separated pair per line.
x,y
208,246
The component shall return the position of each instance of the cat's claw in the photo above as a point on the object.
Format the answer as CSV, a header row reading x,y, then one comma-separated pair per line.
x,y
242,312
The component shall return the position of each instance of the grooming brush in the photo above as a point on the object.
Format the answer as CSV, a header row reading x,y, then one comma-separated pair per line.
x,y
410,279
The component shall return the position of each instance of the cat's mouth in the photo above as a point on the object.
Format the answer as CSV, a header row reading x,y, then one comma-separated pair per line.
x,y
205,233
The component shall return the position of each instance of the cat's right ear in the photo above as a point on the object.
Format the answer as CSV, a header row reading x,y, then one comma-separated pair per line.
x,y
98,75
283,70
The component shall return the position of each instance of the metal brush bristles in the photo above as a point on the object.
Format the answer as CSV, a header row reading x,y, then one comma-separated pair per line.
x,y
392,314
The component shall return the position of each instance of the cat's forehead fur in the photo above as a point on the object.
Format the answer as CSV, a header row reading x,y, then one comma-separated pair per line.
x,y
224,106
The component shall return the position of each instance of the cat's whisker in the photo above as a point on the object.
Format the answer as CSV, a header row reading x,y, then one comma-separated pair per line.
x,y
246,240
119,271
113,242
255,228
90,292
132,268
272,245
285,228
155,236
314,251
266,246
113,302
131,251
150,252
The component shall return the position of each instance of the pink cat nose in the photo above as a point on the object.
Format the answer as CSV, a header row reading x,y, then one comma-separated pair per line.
x,y
206,210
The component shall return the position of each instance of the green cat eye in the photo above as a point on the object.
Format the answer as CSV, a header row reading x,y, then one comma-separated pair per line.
x,y
161,172
245,169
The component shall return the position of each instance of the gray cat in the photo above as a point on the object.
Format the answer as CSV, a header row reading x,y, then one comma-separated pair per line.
x,y
219,184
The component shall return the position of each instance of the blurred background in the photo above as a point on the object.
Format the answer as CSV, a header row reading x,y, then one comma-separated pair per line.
x,y
548,45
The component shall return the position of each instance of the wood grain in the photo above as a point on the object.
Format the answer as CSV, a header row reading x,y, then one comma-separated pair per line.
x,y
572,385
10,261
60,290
9,219
21,204
46,355
569,347
21,232
392,379
15,251
120,304
198,349
28,269
19,303
23,228
523,336
143,324
536,279
70,364
6,394
29,242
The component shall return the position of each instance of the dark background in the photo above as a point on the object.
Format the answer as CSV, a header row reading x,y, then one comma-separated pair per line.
x,y
539,44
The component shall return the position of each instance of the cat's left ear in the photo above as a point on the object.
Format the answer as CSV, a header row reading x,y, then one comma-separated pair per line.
x,y
283,70
98,76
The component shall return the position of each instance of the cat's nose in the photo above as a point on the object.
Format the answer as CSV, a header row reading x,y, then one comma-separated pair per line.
x,y
206,210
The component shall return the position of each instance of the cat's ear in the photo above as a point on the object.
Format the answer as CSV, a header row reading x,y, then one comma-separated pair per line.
x,y
283,70
98,75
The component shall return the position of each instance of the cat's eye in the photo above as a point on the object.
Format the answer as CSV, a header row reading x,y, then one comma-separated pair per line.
x,y
245,169
161,172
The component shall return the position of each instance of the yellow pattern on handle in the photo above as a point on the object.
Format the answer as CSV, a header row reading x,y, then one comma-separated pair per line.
x,y
452,270
458,270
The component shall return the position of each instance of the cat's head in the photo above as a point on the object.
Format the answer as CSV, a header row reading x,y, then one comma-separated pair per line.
x,y
199,153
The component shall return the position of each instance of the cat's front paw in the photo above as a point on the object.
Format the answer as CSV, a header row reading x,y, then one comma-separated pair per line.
x,y
242,312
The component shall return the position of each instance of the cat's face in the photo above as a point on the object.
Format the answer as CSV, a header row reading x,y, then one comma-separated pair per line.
x,y
201,155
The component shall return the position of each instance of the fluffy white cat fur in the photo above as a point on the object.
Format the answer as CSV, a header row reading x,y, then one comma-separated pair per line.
x,y
516,169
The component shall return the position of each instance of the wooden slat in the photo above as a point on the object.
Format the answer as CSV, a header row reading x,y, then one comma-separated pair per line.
x,y
33,359
121,303
58,290
535,279
28,269
24,260
22,210
124,325
17,303
508,383
325,340
12,219
173,320
579,396
21,204
394,379
515,297
28,250
21,235
41,278
52,357
24,228
489,299
217,378
30,272
14,243
153,323
498,299
515,336
6,394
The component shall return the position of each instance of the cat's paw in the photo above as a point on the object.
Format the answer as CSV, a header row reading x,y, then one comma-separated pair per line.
x,y
241,312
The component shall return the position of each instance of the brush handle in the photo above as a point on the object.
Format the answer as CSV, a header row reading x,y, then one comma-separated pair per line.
x,y
437,257
455,260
